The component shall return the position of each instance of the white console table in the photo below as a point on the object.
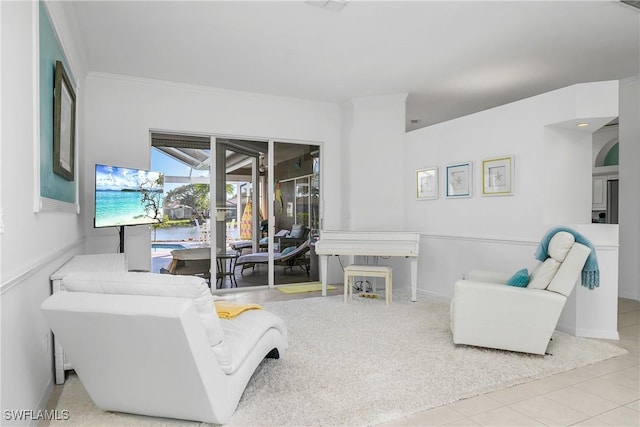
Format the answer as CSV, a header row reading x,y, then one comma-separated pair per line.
x,y
86,263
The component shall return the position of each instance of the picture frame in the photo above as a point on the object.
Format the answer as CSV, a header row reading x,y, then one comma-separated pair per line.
x,y
64,124
497,176
427,184
459,180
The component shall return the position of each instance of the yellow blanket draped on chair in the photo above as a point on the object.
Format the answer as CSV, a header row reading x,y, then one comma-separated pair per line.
x,y
229,310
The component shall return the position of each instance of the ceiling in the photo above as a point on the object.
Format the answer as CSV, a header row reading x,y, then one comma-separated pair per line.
x,y
452,58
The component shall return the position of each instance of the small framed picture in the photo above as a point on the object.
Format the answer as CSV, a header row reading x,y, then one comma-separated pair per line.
x,y
64,122
427,184
497,176
459,180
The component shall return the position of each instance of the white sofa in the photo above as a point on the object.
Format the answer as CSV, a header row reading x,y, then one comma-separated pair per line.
x,y
486,312
154,345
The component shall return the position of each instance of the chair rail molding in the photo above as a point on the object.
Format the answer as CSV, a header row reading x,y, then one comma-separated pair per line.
x,y
481,239
40,264
521,241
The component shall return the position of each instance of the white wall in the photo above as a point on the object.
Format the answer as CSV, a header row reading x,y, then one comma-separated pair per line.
x,y
373,148
373,132
628,133
120,112
629,202
552,186
33,244
594,313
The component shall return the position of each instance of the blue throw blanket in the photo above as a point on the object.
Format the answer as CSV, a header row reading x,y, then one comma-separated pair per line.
x,y
590,272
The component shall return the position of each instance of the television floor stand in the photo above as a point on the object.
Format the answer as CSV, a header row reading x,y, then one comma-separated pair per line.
x,y
121,235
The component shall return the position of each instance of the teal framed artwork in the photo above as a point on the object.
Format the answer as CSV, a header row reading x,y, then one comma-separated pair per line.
x,y
459,180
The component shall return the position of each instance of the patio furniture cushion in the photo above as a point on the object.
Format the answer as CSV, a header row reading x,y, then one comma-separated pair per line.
x,y
287,250
297,231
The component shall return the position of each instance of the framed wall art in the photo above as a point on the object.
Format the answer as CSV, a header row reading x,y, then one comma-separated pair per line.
x,y
54,190
64,123
497,176
427,184
459,180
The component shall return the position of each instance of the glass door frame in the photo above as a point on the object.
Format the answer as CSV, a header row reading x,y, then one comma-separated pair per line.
x,y
218,226
216,164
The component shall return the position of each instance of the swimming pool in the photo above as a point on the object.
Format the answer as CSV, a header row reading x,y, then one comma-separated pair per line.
x,y
156,246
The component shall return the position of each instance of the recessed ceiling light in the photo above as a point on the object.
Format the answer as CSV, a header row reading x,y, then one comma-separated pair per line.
x,y
582,125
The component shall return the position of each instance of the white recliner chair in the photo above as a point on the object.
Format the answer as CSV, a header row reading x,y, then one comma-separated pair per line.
x,y
154,345
487,312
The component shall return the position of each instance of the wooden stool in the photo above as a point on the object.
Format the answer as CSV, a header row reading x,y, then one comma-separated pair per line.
x,y
368,271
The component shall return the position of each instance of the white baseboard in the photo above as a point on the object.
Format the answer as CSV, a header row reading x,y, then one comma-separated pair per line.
x,y
589,333
434,296
44,400
597,333
626,295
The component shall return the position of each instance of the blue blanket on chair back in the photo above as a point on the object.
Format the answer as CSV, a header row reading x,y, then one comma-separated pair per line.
x,y
590,271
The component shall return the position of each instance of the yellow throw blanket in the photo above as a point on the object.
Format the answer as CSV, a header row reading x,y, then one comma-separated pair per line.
x,y
229,310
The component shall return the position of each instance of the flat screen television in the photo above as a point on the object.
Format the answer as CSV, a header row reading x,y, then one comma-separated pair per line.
x,y
127,196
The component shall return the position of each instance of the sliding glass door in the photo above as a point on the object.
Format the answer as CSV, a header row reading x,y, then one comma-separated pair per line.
x,y
296,211
240,212
241,244
272,242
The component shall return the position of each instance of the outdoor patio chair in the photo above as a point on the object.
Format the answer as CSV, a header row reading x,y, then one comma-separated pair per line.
x,y
298,234
240,245
289,258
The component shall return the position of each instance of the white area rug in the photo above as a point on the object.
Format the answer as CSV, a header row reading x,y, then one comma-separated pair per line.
x,y
364,363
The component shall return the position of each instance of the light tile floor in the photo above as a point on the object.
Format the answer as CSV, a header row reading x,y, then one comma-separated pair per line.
x,y
603,394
